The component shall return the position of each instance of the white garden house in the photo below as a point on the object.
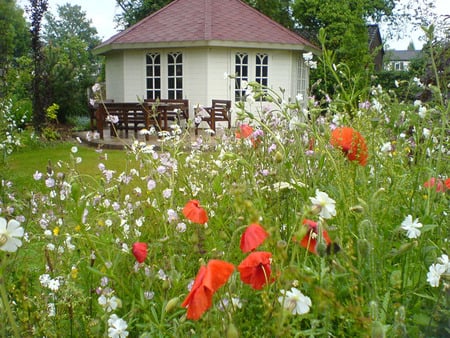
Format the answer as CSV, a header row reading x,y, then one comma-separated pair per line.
x,y
184,51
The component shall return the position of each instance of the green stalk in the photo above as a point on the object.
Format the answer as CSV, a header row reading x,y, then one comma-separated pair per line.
x,y
7,307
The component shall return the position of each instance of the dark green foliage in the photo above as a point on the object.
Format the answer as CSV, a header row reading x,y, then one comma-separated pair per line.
x,y
134,11
71,67
14,41
37,10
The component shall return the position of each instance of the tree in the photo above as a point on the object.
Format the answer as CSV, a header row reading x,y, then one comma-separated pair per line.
x,y
345,25
37,10
411,46
134,11
71,66
15,38
277,10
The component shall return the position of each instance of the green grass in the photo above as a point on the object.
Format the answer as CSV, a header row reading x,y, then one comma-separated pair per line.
x,y
21,165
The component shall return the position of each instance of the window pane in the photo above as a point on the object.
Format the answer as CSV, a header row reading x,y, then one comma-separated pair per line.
x,y
153,73
171,70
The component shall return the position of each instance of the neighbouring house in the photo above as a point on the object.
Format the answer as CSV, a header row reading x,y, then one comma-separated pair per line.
x,y
376,46
399,60
185,50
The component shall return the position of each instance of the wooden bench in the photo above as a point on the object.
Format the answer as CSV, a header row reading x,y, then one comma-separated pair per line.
x,y
220,111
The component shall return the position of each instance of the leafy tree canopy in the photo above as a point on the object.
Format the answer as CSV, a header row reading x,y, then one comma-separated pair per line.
x,y
14,32
71,21
70,65
136,10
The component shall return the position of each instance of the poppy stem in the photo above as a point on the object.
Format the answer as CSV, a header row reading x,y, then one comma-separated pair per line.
x,y
201,241
6,305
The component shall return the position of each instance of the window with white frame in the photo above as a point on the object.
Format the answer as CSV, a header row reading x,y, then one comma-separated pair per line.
x,y
153,75
241,72
175,76
262,69
302,78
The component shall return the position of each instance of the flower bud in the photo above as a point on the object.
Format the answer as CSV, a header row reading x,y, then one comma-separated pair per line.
x,y
171,304
278,157
232,331
357,208
377,330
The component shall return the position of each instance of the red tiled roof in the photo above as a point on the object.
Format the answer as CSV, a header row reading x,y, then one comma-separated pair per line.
x,y
207,20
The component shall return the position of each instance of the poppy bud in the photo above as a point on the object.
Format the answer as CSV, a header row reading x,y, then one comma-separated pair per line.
x,y
232,331
166,284
321,248
357,208
171,304
377,330
278,157
364,247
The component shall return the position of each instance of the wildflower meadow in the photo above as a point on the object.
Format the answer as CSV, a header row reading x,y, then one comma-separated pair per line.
x,y
311,218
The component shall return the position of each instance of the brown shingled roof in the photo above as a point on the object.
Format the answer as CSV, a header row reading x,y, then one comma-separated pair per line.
x,y
205,20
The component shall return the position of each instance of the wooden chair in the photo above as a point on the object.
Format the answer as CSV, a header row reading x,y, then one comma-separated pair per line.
x,y
220,111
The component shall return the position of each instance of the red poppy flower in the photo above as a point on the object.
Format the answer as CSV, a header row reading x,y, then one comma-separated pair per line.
x,y
140,251
439,185
253,237
309,241
208,280
352,144
244,131
194,212
447,183
255,269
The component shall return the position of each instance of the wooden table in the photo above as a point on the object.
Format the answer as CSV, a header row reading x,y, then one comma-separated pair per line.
x,y
132,114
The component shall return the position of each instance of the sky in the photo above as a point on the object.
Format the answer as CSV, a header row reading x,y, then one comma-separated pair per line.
x,y
102,13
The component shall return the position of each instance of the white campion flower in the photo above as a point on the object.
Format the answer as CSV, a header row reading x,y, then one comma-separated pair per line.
x,y
445,262
434,274
96,87
10,232
37,175
295,301
422,111
53,284
108,303
325,204
117,327
411,227
386,147
307,56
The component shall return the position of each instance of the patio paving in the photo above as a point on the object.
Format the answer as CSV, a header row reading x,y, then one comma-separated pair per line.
x,y
121,142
